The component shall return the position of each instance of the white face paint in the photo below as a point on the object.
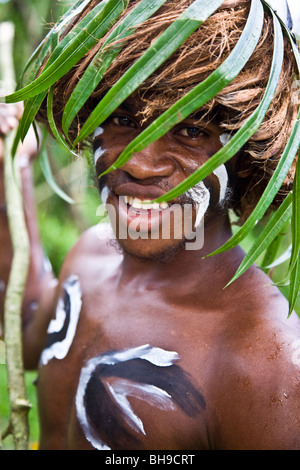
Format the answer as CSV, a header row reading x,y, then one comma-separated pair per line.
x,y
201,197
104,194
225,138
60,348
222,175
100,151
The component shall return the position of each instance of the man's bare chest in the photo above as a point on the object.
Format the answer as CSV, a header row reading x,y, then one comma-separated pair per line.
x,y
133,384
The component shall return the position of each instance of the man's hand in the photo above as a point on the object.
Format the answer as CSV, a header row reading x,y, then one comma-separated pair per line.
x,y
10,114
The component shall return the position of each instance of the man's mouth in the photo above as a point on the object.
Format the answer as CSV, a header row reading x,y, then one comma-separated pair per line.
x,y
143,215
138,204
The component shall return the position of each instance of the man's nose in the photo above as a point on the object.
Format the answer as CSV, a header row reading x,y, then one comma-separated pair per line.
x,y
154,161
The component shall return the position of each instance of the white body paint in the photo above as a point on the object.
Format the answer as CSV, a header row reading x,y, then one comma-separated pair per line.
x,y
153,395
60,349
121,389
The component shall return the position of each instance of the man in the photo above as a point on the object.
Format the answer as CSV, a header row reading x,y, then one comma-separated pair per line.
x,y
139,346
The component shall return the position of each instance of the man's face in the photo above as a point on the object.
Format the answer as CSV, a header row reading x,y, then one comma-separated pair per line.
x,y
143,228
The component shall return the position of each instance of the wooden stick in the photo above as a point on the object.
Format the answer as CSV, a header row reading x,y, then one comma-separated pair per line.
x,y
19,405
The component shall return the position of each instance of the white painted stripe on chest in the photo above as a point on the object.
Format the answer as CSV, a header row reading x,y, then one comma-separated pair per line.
x,y
60,349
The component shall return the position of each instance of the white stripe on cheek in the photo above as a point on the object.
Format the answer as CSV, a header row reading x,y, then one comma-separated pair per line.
x,y
222,175
201,197
100,151
104,194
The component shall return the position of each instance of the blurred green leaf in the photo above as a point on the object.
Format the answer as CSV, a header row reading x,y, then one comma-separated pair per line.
x,y
50,179
104,58
276,223
72,48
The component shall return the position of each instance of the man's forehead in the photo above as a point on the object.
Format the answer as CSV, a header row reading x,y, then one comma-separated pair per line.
x,y
136,106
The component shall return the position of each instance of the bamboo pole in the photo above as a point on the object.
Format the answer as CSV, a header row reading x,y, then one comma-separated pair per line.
x,y
19,404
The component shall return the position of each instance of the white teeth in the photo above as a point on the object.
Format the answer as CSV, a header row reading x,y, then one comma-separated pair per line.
x,y
137,203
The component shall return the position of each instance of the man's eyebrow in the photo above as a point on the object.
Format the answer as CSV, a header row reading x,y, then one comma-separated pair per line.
x,y
202,118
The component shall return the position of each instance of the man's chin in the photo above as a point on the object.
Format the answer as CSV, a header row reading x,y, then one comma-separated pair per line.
x,y
162,255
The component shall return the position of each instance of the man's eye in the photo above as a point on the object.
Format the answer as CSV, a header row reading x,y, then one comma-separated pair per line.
x,y
192,132
123,121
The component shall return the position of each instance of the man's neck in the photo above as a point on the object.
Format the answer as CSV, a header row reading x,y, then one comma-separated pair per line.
x,y
185,264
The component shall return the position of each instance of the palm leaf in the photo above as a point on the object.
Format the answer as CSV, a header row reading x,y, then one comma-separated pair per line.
x,y
47,172
294,285
56,134
269,259
296,219
155,55
294,268
30,110
269,193
243,134
64,53
200,95
102,60
73,47
282,259
52,38
275,225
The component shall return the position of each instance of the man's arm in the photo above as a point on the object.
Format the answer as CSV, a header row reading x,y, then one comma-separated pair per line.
x,y
39,293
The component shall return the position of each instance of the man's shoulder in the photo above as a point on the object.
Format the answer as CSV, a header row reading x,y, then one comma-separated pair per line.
x,y
92,252
95,241
261,337
258,374
260,321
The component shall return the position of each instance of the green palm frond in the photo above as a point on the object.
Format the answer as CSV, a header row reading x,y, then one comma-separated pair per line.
x,y
164,46
102,60
61,52
197,97
73,47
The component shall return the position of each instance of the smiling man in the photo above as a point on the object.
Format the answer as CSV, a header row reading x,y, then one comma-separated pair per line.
x,y
165,227
138,344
